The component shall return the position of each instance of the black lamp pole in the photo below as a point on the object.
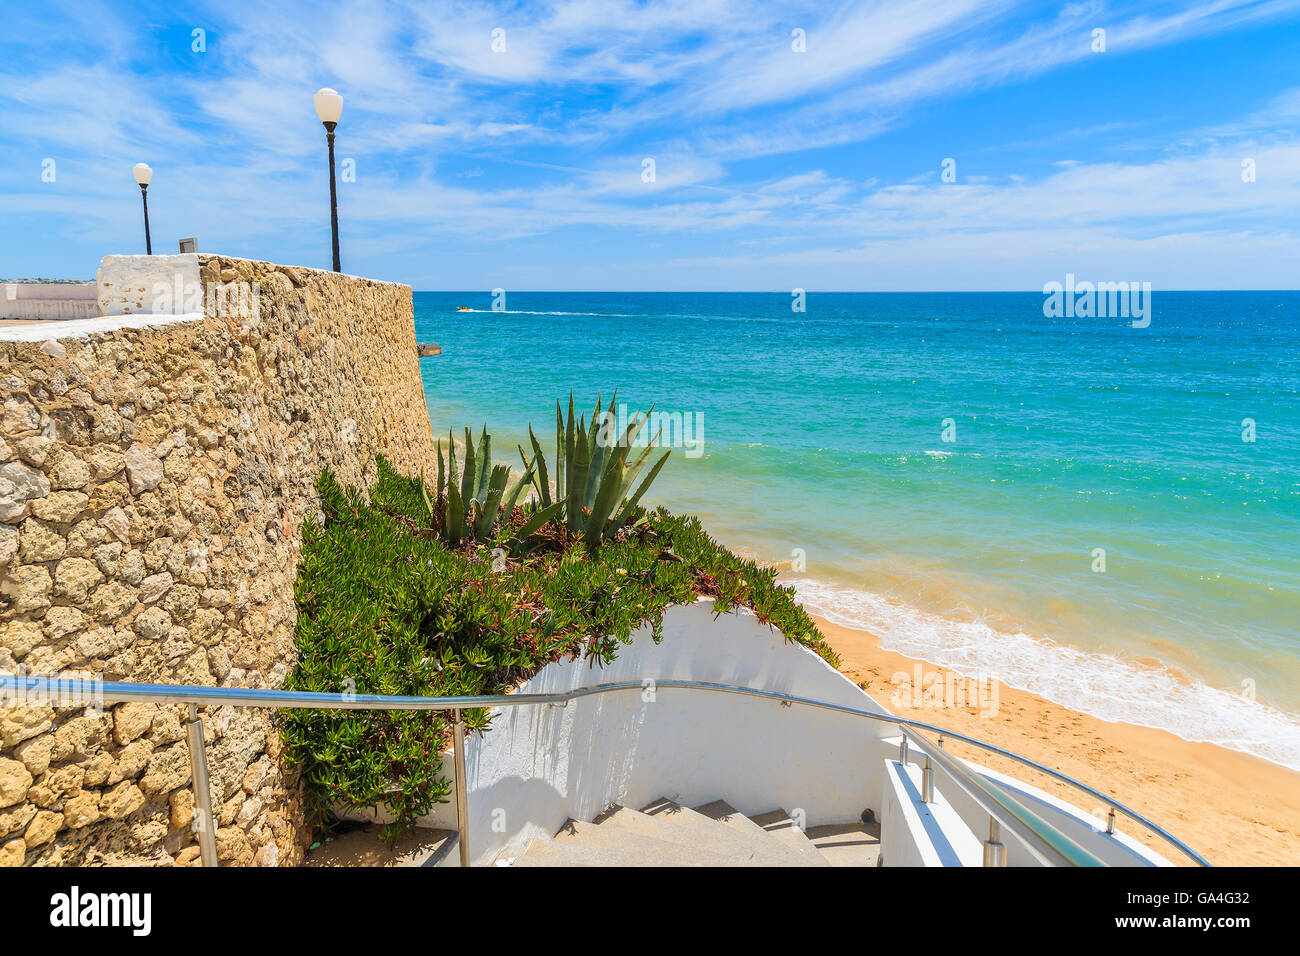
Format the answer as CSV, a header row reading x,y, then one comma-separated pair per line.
x,y
144,197
334,196
329,107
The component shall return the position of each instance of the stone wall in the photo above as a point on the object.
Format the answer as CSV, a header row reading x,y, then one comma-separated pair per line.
x,y
153,483
48,300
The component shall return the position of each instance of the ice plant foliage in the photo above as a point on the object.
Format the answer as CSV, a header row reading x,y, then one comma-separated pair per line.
x,y
389,604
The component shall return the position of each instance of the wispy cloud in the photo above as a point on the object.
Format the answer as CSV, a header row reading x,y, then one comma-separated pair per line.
x,y
474,126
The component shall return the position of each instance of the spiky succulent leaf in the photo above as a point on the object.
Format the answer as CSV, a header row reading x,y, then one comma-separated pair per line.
x,y
513,498
591,436
543,481
600,450
468,477
628,438
530,469
581,466
631,503
484,466
570,449
441,475
452,473
606,499
560,488
536,520
455,516
496,488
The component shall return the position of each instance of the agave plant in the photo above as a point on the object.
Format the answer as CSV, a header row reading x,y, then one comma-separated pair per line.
x,y
593,477
473,496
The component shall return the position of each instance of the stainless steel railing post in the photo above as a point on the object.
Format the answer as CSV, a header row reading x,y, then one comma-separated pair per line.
x,y
204,823
1110,821
927,782
902,749
995,854
462,797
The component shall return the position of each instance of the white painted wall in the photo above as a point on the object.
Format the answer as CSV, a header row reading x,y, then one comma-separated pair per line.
x,y
132,292
149,285
50,290
81,328
48,300
914,833
1087,830
539,766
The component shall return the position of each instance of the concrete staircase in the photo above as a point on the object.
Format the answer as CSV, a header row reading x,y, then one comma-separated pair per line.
x,y
666,833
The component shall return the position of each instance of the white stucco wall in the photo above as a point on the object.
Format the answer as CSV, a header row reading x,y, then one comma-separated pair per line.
x,y
914,833
48,300
149,285
70,291
81,328
539,766
1087,830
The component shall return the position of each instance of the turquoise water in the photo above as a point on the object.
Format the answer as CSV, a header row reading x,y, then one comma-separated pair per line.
x,y
823,440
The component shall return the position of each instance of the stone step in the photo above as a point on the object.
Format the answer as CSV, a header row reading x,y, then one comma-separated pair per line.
x,y
728,815
665,833
782,828
763,850
644,850
848,844
551,853
708,835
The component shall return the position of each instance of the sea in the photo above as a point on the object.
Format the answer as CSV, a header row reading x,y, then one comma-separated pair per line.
x,y
1102,510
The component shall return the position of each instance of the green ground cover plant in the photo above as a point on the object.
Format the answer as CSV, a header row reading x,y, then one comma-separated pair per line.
x,y
390,603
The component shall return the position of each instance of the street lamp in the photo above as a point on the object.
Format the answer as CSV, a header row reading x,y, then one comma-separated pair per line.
x,y
329,107
142,176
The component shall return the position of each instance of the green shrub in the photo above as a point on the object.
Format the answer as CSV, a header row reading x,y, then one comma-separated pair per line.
x,y
386,607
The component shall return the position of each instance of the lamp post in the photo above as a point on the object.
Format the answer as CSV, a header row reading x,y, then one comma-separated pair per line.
x,y
142,176
329,107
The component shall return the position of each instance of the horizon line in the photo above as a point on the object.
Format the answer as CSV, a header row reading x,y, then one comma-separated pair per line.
x,y
787,292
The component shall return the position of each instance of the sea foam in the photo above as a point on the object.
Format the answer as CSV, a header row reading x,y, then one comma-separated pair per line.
x,y
1097,684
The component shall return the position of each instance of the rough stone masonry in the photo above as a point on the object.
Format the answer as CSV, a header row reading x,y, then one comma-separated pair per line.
x,y
153,484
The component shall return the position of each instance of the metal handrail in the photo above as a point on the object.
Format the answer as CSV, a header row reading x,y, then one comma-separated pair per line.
x,y
1006,811
1003,808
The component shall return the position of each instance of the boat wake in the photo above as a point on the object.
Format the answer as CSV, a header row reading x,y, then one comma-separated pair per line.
x,y
615,315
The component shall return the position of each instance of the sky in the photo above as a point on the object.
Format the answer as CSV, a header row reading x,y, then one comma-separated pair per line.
x,y
698,145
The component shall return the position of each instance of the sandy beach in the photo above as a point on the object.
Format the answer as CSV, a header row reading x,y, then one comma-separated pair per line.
x,y
1235,809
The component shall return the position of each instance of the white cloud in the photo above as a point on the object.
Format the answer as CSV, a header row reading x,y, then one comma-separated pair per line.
x,y
454,140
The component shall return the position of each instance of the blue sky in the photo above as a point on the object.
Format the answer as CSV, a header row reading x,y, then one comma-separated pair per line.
x,y
774,168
